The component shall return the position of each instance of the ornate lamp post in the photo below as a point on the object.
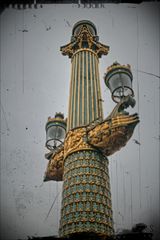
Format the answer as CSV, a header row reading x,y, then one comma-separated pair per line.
x,y
81,162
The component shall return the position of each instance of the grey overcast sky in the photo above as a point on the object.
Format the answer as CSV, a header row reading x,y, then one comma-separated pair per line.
x,y
35,84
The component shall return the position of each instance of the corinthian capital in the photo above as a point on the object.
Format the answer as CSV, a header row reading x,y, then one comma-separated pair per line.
x,y
84,36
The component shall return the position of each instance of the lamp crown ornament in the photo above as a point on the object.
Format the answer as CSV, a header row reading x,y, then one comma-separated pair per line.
x,y
79,147
58,115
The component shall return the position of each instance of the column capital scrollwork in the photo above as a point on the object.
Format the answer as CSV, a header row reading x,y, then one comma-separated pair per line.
x,y
83,39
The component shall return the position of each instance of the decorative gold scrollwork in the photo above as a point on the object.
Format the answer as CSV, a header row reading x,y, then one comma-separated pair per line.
x,y
84,36
107,136
76,141
54,169
111,136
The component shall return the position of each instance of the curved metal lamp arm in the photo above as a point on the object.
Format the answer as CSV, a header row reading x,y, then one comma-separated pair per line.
x,y
123,104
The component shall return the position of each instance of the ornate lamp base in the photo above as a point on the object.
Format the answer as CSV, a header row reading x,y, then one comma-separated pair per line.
x,y
86,204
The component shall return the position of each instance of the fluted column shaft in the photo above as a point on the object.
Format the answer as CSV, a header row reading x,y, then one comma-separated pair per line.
x,y
85,103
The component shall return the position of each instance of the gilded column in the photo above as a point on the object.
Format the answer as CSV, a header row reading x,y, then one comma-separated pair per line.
x,y
86,199
85,103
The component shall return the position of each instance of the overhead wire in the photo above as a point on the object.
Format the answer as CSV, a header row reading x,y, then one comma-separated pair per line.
x,y
159,128
131,201
148,73
117,189
57,223
124,196
52,206
23,53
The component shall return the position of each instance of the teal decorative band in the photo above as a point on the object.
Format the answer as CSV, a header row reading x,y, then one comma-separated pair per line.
x,y
86,204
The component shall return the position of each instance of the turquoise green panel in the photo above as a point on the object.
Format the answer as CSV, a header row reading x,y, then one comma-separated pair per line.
x,y
86,202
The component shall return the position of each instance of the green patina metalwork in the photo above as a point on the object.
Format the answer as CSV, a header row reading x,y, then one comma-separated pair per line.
x,y
86,204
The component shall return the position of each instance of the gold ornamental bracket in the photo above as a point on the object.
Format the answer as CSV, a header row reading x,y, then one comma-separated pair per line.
x,y
76,140
113,133
111,136
107,136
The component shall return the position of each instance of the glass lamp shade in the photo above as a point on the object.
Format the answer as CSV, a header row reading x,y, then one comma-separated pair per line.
x,y
55,132
119,80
